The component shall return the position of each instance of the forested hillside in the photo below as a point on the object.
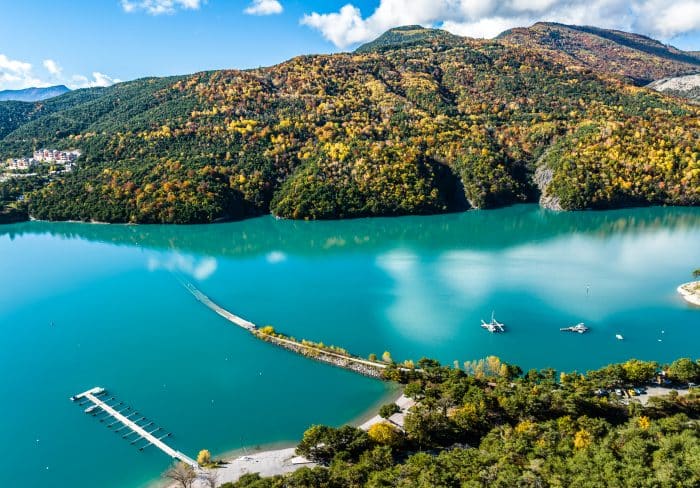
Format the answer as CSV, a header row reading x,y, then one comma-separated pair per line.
x,y
418,122
483,425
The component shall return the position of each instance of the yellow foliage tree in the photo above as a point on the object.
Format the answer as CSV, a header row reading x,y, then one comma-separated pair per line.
x,y
582,439
204,457
384,433
644,422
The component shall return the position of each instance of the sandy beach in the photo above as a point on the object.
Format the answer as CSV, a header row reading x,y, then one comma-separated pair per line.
x,y
272,462
267,463
690,292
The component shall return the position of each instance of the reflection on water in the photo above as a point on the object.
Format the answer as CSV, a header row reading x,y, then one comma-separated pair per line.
x,y
199,269
415,286
468,230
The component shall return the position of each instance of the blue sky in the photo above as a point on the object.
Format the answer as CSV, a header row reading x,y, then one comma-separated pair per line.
x,y
94,42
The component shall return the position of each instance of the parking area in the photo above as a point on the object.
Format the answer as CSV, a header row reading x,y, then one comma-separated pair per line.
x,y
657,391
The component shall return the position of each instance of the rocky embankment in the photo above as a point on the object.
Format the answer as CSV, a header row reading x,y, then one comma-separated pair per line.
x,y
683,86
357,365
543,176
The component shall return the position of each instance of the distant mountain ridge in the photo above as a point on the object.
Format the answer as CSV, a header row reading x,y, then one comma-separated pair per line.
x,y
634,56
33,94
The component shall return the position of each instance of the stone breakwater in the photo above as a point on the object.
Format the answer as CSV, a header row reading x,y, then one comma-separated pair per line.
x,y
333,356
357,365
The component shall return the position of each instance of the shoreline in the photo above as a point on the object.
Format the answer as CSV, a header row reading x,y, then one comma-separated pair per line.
x,y
279,457
690,292
224,220
276,459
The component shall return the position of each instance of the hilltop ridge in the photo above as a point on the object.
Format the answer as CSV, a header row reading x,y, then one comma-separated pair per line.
x,y
634,56
409,35
418,122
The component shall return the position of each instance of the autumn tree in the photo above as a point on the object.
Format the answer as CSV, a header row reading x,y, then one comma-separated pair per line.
x,y
385,434
684,370
183,474
637,371
204,457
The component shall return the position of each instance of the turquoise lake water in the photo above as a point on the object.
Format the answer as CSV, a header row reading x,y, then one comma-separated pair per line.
x,y
84,305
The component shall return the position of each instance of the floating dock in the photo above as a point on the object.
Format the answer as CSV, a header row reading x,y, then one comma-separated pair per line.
x,y
129,422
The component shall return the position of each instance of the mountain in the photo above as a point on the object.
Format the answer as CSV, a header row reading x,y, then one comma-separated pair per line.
x,y
406,36
683,86
33,94
418,122
14,115
637,57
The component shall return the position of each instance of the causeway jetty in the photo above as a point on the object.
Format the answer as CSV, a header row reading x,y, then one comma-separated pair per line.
x,y
327,354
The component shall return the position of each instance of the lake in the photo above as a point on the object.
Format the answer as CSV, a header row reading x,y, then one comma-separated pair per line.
x,y
85,305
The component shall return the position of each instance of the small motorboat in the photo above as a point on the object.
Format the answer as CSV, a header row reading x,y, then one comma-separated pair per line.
x,y
580,328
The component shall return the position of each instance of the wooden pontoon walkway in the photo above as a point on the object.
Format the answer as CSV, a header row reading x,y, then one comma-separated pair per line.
x,y
92,396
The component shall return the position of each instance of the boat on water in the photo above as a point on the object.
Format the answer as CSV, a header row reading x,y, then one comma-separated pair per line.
x,y
91,409
619,337
494,326
580,328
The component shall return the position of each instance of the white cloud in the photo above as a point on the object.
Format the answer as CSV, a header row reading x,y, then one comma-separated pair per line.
x,y
487,27
264,7
199,269
669,18
15,74
275,257
98,80
52,67
487,18
160,7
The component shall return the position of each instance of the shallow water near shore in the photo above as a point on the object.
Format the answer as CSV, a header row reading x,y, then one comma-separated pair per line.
x,y
85,305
